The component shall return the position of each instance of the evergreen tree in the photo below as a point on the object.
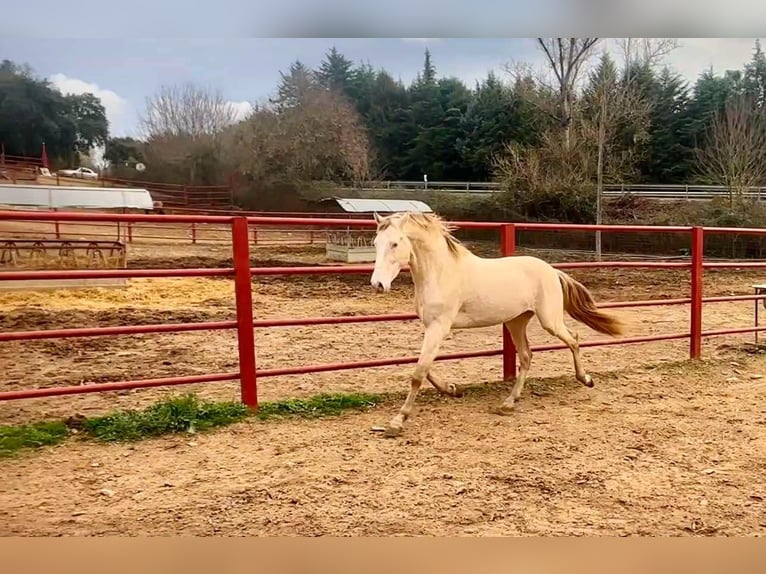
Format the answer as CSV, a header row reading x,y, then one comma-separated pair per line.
x,y
491,120
335,72
294,85
754,80
32,111
670,155
709,98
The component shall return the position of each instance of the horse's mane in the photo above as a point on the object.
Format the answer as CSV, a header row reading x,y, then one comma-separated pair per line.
x,y
430,223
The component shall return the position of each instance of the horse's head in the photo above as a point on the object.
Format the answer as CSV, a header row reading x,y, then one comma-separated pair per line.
x,y
392,251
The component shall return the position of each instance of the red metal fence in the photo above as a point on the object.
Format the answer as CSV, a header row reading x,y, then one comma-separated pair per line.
x,y
248,372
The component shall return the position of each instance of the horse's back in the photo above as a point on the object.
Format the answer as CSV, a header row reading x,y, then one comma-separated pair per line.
x,y
498,289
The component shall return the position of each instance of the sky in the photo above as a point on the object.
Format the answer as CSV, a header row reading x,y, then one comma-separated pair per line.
x,y
123,72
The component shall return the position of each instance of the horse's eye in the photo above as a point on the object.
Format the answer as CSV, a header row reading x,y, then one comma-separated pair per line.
x,y
394,245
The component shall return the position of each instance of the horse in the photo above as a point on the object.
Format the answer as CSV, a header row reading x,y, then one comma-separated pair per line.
x,y
457,289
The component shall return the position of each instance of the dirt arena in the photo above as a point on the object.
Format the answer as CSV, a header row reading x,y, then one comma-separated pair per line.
x,y
658,447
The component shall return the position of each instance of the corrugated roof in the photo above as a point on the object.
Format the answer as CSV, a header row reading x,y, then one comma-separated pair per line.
x,y
356,205
84,197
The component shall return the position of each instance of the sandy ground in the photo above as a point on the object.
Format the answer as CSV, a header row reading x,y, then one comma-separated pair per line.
x,y
650,450
673,451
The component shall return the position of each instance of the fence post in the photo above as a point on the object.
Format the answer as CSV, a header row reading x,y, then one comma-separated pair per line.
x,y
697,253
194,232
508,247
130,232
57,226
244,300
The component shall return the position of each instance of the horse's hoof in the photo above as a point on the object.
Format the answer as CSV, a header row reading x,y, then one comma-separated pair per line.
x,y
588,381
503,410
455,390
393,432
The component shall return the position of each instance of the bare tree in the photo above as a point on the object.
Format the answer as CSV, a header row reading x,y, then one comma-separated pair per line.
x,y
320,137
611,106
183,125
647,52
566,58
734,154
187,111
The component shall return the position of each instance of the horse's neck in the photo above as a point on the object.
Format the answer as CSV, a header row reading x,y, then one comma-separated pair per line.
x,y
432,269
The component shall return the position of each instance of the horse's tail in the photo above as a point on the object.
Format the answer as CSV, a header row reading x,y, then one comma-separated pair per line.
x,y
581,306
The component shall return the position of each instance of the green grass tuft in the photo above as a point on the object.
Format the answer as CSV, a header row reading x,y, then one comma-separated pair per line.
x,y
185,414
318,405
15,438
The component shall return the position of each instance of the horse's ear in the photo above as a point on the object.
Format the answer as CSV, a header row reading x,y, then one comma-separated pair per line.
x,y
377,217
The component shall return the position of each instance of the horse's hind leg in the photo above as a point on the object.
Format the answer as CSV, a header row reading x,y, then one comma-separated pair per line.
x,y
557,328
518,330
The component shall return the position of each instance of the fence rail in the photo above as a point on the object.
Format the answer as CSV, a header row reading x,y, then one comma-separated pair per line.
x,y
669,192
248,371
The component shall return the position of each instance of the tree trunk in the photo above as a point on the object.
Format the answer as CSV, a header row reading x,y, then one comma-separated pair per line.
x,y
600,171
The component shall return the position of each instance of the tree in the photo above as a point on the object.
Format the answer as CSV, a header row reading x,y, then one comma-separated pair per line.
x,y
709,98
335,72
670,155
89,116
429,71
318,138
123,150
183,125
498,114
383,104
754,79
294,85
32,111
617,117
187,111
566,58
644,53
734,154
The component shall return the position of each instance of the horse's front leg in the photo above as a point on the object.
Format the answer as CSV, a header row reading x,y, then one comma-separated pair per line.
x,y
435,334
449,389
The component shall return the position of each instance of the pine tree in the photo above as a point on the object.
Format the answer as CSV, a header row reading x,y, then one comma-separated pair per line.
x,y
294,85
429,71
709,98
335,71
670,155
754,79
491,121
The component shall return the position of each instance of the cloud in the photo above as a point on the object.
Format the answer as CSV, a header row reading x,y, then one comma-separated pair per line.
x,y
242,109
695,55
114,105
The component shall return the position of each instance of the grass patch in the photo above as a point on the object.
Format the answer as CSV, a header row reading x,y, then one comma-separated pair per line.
x,y
318,405
185,414
36,435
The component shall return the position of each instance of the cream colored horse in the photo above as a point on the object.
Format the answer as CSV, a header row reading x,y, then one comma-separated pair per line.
x,y
455,289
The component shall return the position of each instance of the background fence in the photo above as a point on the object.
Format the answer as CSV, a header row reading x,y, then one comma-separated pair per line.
x,y
241,272
670,192
621,242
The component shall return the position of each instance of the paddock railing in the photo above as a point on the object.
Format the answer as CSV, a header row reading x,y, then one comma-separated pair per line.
x,y
242,273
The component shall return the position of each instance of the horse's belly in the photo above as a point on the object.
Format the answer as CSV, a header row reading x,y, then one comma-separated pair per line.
x,y
475,314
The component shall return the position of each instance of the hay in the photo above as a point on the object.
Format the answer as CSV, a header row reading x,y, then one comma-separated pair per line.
x,y
171,293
